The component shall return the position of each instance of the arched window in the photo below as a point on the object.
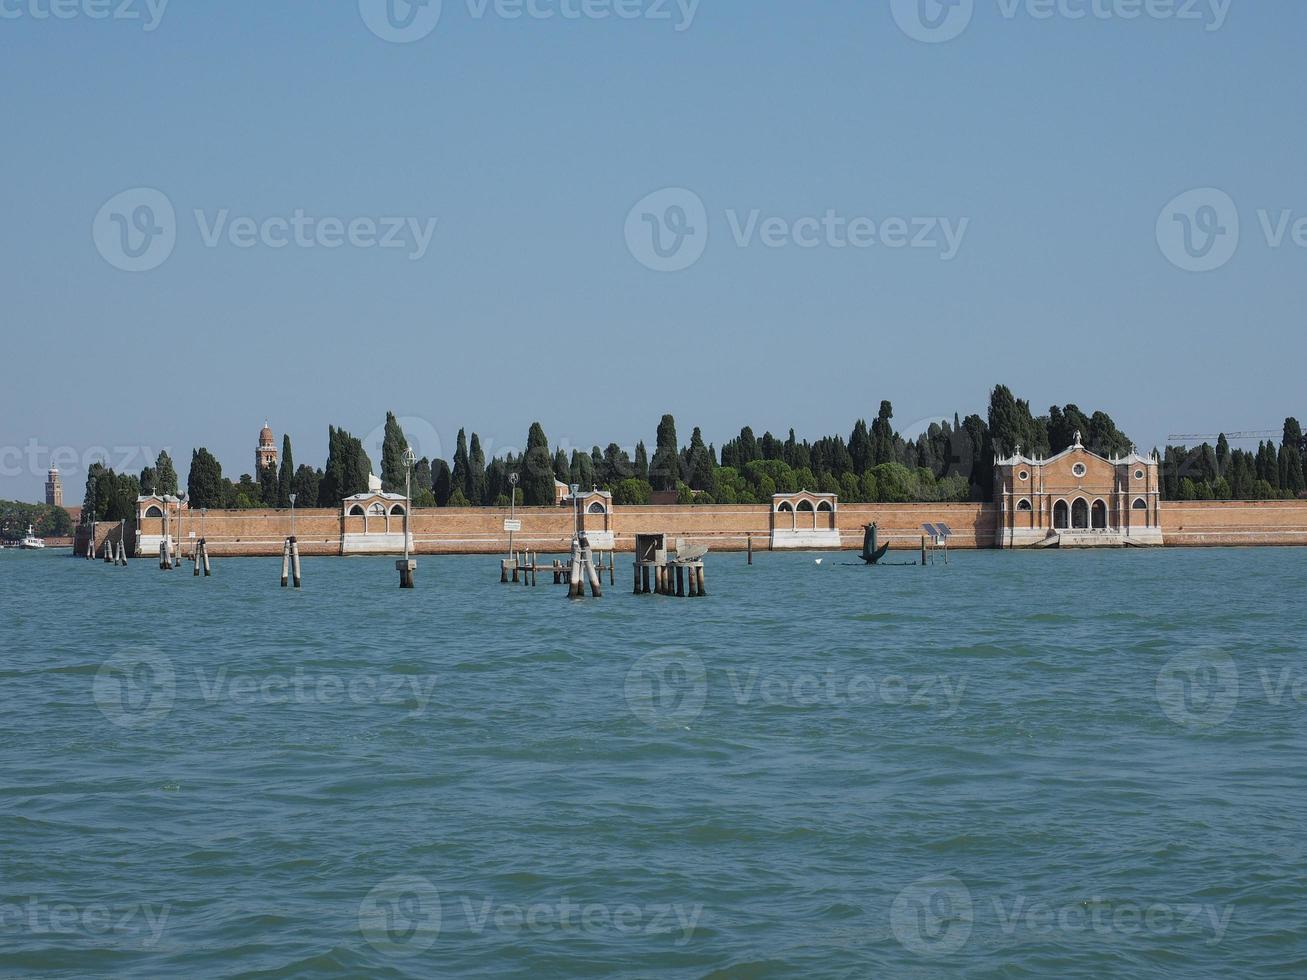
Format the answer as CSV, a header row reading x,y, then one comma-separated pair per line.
x,y
1140,504
356,510
805,505
377,510
1024,505
153,511
785,507
825,506
397,510
596,508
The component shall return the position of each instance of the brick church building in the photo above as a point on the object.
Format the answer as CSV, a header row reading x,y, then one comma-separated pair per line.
x,y
1078,499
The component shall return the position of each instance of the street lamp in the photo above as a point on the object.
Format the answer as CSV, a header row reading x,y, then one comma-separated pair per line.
x,y
410,458
512,507
292,515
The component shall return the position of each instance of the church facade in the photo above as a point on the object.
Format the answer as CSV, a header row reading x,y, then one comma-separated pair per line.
x,y
1078,499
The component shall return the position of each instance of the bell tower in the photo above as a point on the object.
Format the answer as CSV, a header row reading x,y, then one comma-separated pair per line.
x,y
266,454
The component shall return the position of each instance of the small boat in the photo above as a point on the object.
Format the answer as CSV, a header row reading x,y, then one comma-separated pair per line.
x,y
31,542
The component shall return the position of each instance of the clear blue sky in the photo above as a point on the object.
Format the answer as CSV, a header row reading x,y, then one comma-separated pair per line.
x,y
1059,140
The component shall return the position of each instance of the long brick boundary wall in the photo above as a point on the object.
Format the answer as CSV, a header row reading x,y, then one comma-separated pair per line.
x,y
1234,523
725,527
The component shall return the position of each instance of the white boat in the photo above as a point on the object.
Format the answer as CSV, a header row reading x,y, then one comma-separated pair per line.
x,y
31,542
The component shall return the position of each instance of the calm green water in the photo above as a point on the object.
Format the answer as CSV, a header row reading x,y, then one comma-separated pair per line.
x,y
1017,765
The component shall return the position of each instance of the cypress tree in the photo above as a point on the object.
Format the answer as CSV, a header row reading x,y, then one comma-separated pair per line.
x,y
165,475
393,447
641,462
476,468
562,471
665,471
538,469
442,484
462,477
204,485
286,478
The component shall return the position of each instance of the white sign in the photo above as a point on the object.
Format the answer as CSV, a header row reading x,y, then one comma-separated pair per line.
x,y
512,525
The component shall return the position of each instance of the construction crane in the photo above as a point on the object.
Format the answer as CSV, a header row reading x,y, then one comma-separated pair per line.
x,y
1229,436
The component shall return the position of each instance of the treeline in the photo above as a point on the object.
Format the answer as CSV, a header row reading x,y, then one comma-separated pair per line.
x,y
46,521
952,460
1219,473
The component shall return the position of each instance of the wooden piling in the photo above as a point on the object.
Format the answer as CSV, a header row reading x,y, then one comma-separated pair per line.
x,y
208,567
680,581
698,574
285,563
295,561
923,551
750,549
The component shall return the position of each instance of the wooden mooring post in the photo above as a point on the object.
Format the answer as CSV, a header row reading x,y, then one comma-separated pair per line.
x,y
290,563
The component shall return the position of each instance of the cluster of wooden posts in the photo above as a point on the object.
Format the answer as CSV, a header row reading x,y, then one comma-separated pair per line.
x,y
112,555
290,562
201,558
658,573
578,571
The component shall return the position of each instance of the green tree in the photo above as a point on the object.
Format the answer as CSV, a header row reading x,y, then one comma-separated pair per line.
x,y
538,469
393,446
286,478
641,462
665,471
165,475
562,471
441,482
462,477
308,482
632,491
476,471
204,485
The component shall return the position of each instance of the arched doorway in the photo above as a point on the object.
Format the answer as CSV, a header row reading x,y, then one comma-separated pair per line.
x,y
1099,515
1061,516
1080,515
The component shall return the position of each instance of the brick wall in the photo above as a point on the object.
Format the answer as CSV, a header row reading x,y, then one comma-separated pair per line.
x,y
726,527
1207,523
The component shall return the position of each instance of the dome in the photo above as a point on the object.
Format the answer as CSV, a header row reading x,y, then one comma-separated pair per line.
x,y
266,437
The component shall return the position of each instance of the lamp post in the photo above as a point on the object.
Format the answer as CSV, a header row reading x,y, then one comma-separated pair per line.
x,y
408,566
512,508
292,515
